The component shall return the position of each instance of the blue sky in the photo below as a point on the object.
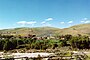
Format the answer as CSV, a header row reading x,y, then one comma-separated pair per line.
x,y
38,13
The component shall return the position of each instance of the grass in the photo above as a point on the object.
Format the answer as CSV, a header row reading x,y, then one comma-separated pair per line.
x,y
88,57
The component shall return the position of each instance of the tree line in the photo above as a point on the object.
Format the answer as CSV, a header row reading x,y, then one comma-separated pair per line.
x,y
10,42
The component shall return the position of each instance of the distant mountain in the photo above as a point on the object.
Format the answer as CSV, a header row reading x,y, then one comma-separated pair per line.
x,y
39,31
83,29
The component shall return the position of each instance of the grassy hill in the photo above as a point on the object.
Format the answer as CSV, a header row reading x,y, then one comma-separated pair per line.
x,y
39,31
83,29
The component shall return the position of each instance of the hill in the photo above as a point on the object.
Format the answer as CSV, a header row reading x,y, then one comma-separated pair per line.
x,y
82,29
39,31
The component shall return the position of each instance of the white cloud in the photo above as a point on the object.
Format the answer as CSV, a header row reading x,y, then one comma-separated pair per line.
x,y
43,22
32,22
85,18
82,21
70,22
21,22
85,21
49,19
62,22
26,23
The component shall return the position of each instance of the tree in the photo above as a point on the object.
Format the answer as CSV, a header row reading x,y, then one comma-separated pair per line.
x,y
7,45
2,44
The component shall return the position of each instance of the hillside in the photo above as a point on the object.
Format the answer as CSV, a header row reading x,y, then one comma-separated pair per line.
x,y
39,31
82,29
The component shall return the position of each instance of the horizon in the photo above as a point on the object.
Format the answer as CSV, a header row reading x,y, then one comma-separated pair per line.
x,y
40,13
44,26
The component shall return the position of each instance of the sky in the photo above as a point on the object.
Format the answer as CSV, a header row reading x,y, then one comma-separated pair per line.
x,y
39,13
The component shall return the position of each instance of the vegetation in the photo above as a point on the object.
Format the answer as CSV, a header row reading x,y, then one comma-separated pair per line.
x,y
9,42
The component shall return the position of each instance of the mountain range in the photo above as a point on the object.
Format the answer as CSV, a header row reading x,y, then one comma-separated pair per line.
x,y
83,29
